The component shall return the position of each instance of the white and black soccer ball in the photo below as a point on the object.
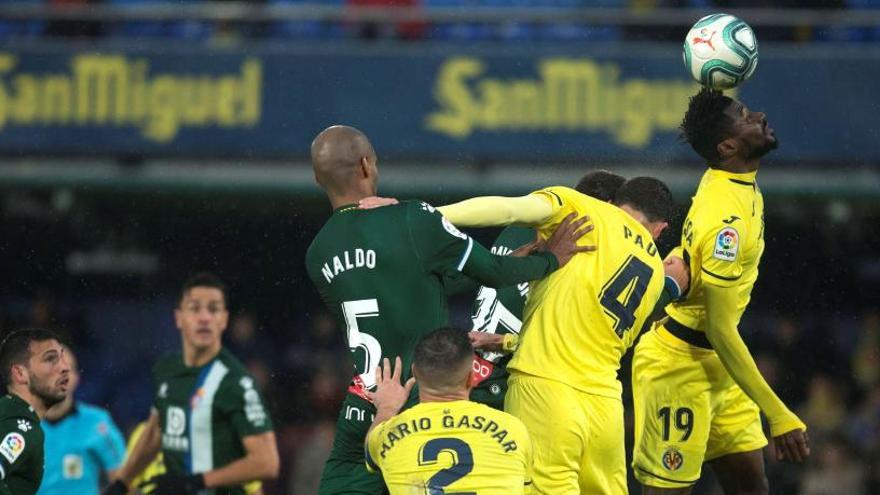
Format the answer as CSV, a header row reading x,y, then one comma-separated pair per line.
x,y
721,51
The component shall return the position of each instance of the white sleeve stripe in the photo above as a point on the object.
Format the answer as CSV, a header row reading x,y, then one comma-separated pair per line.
x,y
2,472
467,253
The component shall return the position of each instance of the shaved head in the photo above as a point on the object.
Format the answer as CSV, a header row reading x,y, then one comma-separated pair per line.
x,y
339,156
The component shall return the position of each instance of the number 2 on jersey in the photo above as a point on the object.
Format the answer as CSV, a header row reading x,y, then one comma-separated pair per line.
x,y
361,340
462,464
622,294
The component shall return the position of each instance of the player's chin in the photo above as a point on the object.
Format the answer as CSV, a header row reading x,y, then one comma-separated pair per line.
x,y
205,340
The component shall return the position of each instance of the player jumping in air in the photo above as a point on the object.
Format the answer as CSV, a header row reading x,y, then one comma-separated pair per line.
x,y
381,272
499,312
696,389
577,325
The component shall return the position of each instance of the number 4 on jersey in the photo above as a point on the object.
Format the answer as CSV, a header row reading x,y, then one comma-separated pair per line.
x,y
361,340
622,295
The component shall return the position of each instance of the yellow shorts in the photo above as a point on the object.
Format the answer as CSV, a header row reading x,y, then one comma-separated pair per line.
x,y
687,410
577,437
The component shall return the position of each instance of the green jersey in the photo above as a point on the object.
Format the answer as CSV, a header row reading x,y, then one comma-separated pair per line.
x,y
21,447
205,412
381,272
498,311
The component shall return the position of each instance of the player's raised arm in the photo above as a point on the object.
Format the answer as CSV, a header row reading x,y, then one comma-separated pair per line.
x,y
443,249
496,211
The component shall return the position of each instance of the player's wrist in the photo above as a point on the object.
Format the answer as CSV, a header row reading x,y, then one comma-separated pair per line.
x,y
671,287
784,424
552,260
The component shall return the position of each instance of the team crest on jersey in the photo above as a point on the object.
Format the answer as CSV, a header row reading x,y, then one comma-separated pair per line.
x,y
672,459
726,244
72,466
12,446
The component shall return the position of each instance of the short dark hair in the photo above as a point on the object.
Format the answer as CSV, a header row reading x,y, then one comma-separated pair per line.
x,y
15,348
600,184
440,353
706,123
649,196
203,279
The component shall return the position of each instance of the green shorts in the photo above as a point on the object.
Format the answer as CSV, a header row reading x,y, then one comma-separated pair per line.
x,y
345,470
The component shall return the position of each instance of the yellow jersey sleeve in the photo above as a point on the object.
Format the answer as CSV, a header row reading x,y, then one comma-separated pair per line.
x,y
560,201
719,247
496,211
372,446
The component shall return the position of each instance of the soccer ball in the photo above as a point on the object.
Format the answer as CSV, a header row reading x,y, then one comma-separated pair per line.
x,y
721,51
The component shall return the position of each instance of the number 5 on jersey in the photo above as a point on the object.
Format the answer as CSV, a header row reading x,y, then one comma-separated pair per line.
x,y
361,340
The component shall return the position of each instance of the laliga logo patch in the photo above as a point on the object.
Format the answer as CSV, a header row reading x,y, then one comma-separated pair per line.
x,y
453,230
726,244
12,446
672,459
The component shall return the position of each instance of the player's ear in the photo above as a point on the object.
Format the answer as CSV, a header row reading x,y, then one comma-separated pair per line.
x,y
19,373
727,148
178,318
657,228
366,168
469,381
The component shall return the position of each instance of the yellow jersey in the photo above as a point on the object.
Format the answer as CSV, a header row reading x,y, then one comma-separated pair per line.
x,y
723,240
579,321
451,447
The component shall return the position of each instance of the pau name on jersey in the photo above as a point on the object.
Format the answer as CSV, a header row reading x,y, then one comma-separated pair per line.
x,y
637,239
350,259
480,423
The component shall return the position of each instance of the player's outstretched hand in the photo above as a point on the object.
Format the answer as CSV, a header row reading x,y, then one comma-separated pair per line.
x,y
375,202
174,484
485,341
118,487
793,446
563,242
678,270
390,395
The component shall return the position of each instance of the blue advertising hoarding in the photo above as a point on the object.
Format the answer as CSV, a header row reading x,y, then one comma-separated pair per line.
x,y
617,102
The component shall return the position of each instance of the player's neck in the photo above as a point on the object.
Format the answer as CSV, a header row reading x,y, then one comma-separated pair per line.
x,y
435,396
59,410
350,196
35,402
739,166
194,357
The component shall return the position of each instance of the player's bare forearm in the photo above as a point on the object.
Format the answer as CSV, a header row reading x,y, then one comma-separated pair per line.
x,y
260,462
734,355
144,451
